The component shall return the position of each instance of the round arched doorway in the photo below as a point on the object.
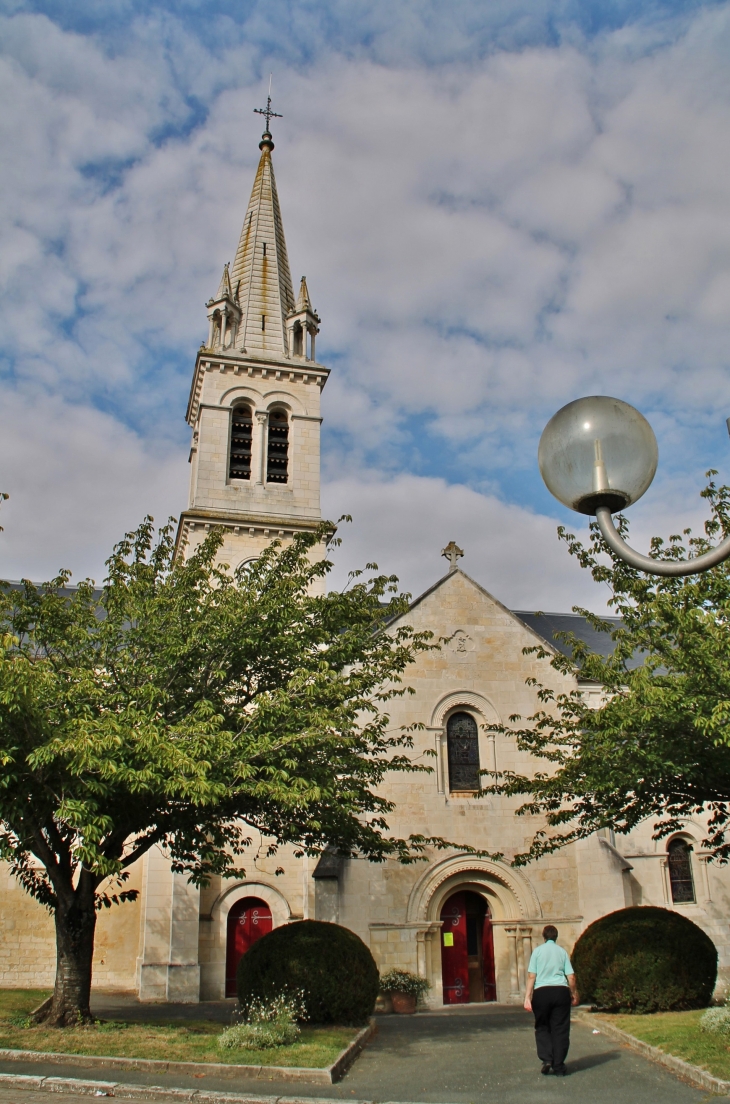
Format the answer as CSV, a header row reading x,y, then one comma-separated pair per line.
x,y
467,949
248,920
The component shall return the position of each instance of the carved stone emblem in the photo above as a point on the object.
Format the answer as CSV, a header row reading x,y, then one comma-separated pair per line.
x,y
461,643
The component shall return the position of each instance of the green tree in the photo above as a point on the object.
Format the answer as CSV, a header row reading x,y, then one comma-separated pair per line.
x,y
659,746
185,706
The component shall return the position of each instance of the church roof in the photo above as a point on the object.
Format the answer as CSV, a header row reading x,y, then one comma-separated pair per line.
x,y
543,625
260,271
547,625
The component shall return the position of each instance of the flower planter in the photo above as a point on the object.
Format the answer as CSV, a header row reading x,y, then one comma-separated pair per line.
x,y
404,1002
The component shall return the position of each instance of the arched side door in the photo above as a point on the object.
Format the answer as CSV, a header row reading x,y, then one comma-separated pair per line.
x,y
454,956
248,920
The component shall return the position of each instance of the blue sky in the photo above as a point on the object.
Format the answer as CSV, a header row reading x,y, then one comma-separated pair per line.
x,y
498,206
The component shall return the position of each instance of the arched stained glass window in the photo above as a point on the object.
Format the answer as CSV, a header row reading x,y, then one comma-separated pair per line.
x,y
679,855
241,430
278,452
462,737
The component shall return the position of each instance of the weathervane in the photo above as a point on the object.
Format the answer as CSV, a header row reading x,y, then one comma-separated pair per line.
x,y
267,110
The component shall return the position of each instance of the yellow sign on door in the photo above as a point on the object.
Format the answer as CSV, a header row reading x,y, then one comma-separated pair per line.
x,y
448,939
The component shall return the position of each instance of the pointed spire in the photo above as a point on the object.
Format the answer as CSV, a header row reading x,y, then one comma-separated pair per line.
x,y
304,303
260,270
224,288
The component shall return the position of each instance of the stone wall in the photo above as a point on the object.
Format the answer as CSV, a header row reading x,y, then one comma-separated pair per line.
x,y
28,946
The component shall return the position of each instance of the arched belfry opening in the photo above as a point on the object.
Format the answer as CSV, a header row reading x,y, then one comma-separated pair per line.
x,y
239,465
467,949
277,466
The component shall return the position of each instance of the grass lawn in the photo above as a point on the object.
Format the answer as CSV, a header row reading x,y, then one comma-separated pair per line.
x,y
176,1041
678,1033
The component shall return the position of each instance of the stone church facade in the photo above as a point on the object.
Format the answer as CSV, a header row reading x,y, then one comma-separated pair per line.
x,y
466,924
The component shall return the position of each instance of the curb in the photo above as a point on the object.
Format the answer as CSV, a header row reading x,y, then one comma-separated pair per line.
x,y
695,1074
80,1087
322,1076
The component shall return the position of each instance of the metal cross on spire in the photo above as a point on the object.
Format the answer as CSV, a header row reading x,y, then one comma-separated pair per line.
x,y
267,111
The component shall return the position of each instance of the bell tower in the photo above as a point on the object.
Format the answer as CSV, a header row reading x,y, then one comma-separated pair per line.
x,y
254,406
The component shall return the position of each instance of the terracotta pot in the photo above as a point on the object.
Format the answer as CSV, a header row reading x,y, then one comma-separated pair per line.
x,y
404,1002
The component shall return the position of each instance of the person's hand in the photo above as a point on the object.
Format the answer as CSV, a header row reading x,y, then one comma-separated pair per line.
x,y
575,997
528,1004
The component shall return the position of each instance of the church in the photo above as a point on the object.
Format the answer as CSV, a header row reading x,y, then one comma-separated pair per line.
x,y
468,925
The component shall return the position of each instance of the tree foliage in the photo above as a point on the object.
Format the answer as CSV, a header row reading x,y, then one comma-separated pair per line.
x,y
659,745
186,706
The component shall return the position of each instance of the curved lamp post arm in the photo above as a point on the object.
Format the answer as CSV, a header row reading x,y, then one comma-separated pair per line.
x,y
657,567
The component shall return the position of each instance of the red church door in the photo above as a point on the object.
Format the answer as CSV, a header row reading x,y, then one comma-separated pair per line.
x,y
454,958
248,920
467,950
487,949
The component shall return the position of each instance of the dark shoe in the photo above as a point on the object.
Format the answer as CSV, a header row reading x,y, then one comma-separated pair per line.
x,y
546,1067
560,1071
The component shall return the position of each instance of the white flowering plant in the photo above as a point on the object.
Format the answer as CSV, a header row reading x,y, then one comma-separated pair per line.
x,y
403,981
265,1023
716,1021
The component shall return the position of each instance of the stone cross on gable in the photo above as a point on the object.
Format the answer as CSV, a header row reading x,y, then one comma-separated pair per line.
x,y
452,553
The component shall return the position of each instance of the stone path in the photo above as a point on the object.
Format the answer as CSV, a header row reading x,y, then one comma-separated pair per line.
x,y
474,1055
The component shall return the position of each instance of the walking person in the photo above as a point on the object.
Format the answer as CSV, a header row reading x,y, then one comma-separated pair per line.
x,y
551,990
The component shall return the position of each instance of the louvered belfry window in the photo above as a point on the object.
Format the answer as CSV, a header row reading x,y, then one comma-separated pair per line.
x,y
241,432
680,872
462,737
277,466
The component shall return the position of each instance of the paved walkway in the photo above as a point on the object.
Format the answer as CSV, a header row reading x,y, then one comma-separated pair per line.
x,y
472,1055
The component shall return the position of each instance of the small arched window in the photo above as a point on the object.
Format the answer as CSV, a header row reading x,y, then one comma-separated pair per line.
x,y
239,466
462,737
679,857
278,452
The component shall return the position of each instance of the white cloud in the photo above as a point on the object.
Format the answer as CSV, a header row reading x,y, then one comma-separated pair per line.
x,y
484,243
403,524
77,480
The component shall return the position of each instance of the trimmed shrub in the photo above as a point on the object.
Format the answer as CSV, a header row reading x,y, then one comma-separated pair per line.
x,y
645,959
327,966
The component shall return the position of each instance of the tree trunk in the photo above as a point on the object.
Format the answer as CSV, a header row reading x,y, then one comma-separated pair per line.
x,y
75,926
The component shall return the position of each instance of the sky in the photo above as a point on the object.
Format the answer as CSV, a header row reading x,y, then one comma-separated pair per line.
x,y
499,205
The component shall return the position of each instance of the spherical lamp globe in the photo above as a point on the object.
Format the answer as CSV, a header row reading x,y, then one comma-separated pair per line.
x,y
597,451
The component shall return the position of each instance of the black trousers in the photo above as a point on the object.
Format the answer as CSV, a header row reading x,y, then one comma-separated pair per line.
x,y
551,1006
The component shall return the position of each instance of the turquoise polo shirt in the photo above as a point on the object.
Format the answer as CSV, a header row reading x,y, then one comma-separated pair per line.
x,y
550,964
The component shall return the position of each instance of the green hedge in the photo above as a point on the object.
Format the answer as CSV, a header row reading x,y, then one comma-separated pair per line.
x,y
645,959
329,964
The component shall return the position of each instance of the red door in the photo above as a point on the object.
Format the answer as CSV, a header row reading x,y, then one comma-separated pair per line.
x,y
454,956
248,920
490,983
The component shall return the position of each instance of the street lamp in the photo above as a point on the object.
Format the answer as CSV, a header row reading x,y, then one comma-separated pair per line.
x,y
598,455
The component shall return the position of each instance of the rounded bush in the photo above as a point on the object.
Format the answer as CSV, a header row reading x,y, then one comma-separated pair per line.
x,y
645,959
329,965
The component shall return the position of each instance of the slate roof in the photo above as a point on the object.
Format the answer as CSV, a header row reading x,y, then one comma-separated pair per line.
x,y
547,625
